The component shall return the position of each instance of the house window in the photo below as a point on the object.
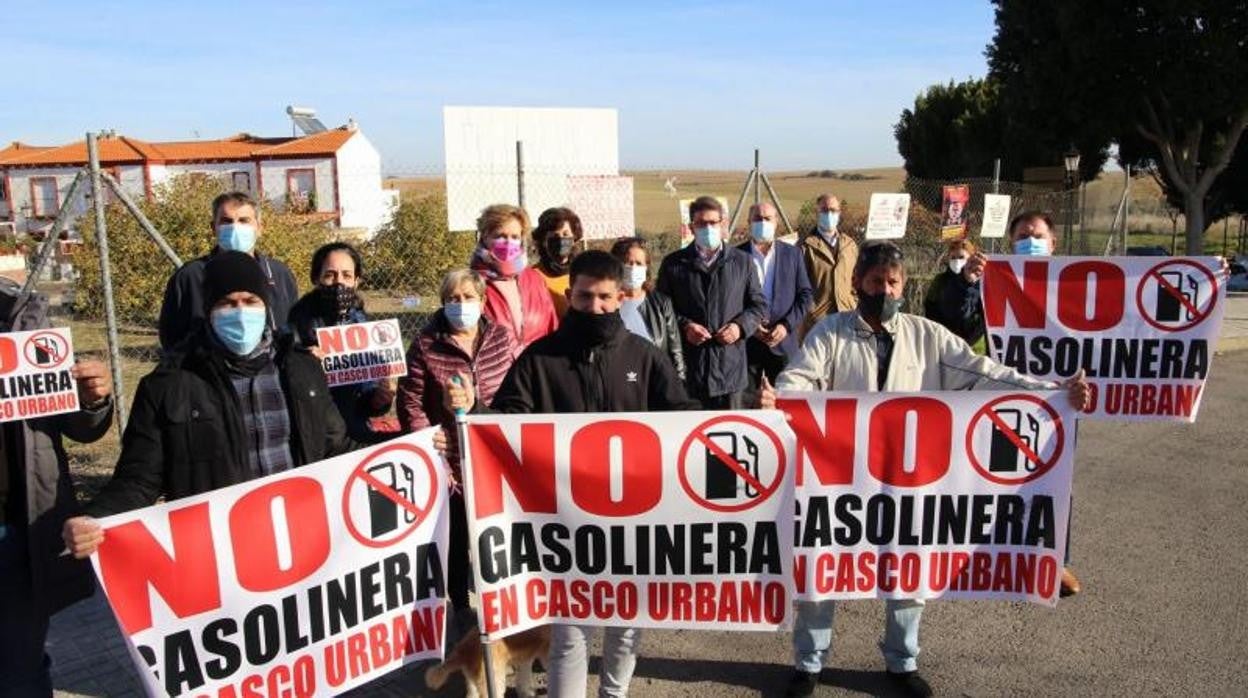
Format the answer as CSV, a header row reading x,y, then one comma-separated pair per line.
x,y
241,181
44,197
301,189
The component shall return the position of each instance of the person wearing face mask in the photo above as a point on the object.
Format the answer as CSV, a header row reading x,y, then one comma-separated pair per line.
x,y
1032,233
782,275
236,226
719,303
952,298
457,339
516,295
557,234
878,348
830,257
233,404
336,272
590,364
646,312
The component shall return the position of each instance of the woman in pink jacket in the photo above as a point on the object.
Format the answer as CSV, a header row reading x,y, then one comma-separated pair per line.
x,y
516,296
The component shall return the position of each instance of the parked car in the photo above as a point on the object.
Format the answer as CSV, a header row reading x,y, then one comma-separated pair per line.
x,y
1148,251
1239,277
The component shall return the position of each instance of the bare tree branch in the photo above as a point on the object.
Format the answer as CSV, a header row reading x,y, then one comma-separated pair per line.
x,y
1165,146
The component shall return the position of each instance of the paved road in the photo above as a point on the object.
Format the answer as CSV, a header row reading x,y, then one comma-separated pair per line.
x,y
1160,542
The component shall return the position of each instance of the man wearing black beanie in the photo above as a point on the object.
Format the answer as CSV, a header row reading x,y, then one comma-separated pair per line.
x,y
233,404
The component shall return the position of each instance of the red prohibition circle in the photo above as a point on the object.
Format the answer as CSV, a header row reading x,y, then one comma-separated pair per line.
x,y
1042,467
382,335
763,495
1200,316
421,512
61,342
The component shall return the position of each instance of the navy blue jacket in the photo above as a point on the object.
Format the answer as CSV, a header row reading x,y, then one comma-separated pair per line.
x,y
791,294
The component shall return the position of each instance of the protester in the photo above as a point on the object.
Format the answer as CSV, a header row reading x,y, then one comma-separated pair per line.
x,y
782,276
557,234
36,495
233,405
516,297
952,298
336,272
646,312
718,302
584,367
236,224
830,258
878,348
457,339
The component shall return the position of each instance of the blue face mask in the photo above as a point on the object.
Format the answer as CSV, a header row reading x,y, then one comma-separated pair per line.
x,y
236,237
707,237
763,231
1036,247
239,329
828,220
462,315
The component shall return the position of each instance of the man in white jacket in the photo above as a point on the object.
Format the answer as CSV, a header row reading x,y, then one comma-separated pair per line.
x,y
878,348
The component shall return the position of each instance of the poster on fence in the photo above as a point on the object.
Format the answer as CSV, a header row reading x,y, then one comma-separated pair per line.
x,y
653,520
35,379
887,215
996,216
604,204
953,201
931,495
1142,329
305,583
361,352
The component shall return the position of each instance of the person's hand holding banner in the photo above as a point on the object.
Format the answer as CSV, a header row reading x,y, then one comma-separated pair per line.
x,y
1080,391
766,395
82,536
94,382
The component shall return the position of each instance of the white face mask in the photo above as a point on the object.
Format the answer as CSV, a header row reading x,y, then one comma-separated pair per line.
x,y
956,265
634,277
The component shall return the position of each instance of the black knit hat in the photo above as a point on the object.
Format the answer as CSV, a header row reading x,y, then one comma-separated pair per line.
x,y
229,272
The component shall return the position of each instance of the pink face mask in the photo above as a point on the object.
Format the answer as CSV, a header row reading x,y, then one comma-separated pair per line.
x,y
508,256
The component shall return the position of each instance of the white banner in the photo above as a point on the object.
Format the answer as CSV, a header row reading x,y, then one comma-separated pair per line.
x,y
303,583
35,378
931,495
362,352
1143,329
655,520
604,205
996,216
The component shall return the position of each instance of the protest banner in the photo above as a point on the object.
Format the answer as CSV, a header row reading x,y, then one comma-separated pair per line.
x,y
655,520
953,201
931,495
361,352
996,216
302,583
887,215
35,378
1141,329
604,205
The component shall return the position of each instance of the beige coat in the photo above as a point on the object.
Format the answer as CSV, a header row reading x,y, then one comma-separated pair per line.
x,y
831,272
839,353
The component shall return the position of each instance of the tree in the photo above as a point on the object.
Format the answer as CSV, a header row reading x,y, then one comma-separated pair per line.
x,y
414,249
1159,76
953,131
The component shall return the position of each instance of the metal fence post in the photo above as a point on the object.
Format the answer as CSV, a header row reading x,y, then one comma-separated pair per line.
x,y
145,224
996,189
48,244
520,174
106,280
757,184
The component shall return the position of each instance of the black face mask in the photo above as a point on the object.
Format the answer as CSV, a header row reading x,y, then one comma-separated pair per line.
x,y
878,306
594,329
556,250
336,301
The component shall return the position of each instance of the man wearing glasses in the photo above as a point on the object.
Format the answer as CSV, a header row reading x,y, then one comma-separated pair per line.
x,y
876,347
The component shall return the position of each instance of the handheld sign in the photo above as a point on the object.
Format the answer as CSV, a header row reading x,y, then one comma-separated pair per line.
x,y
34,374
363,352
996,215
886,219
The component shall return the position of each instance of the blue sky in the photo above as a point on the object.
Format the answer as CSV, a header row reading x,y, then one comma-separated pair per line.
x,y
813,84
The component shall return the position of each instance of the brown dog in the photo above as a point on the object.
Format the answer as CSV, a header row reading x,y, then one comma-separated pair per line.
x,y
517,650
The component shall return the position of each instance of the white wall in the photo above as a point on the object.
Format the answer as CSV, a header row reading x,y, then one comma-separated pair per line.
x,y
364,203
19,179
274,175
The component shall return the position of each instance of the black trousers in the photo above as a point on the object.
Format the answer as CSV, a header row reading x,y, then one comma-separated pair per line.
x,y
762,362
459,570
24,666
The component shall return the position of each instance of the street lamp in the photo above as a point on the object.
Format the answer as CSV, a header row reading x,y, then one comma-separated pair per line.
x,y
1071,161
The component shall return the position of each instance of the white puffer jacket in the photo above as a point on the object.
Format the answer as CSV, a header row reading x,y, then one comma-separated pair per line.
x,y
839,353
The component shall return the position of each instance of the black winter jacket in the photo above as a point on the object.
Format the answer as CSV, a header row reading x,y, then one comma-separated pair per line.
x,y
660,319
183,310
727,291
186,434
560,373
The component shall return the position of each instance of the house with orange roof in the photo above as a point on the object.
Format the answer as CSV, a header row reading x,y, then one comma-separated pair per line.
x,y
334,174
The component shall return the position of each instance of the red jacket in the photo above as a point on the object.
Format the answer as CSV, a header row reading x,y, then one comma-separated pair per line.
x,y
540,318
433,358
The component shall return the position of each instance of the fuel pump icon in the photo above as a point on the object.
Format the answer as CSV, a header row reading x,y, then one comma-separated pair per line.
x,y
1004,454
383,511
722,482
1169,306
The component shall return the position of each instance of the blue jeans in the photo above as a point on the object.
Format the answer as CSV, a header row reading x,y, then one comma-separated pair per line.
x,y
812,634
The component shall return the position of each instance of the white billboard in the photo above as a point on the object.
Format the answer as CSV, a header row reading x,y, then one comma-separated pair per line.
x,y
480,144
